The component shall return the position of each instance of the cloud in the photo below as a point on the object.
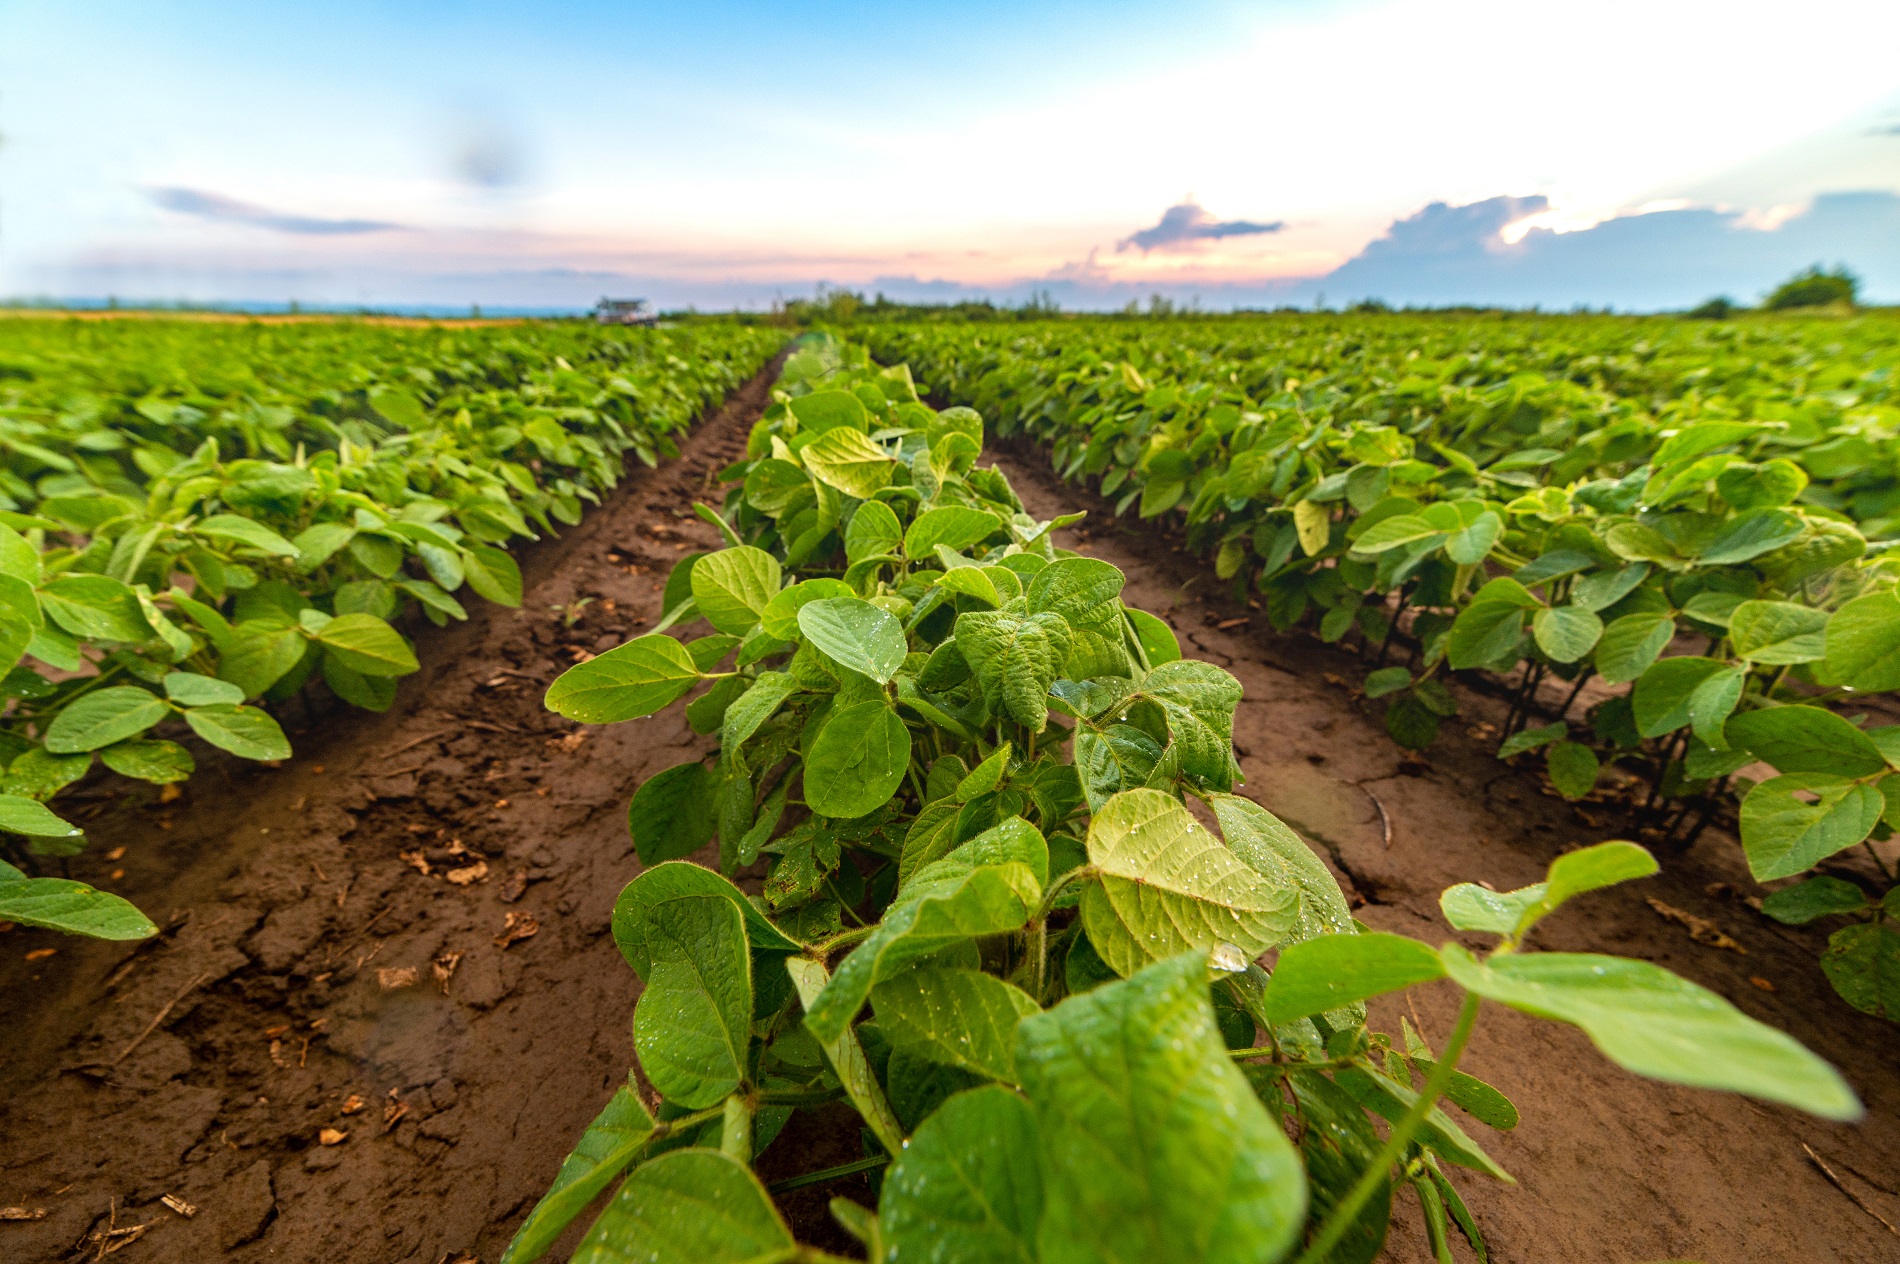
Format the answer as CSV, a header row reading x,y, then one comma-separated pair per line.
x,y
1664,259
1183,225
215,206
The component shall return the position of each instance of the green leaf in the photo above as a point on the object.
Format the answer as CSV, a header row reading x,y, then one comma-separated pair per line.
x,y
1015,658
1168,885
247,732
733,586
855,634
751,709
1863,643
1807,739
693,1024
1389,1099
1863,964
318,544
259,654
675,880
972,581
1394,532
372,693
1712,702
823,410
189,689
1119,757
1199,699
1660,700
366,644
1566,633
688,1207
779,618
612,1142
960,1018
1605,588
103,717
631,680
73,907
21,815
158,762
1751,534
943,904
1630,644
1336,970
1387,680
41,774
1779,632
1647,1020
671,814
843,458
1154,1146
1783,834
1483,631
1337,1144
874,532
245,531
956,527
1530,739
1157,638
1513,913
96,607
1472,544
492,574
1817,897
1573,769
968,1188
858,761
1469,906
1273,850
846,1054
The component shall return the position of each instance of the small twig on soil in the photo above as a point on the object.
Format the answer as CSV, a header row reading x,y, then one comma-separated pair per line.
x,y
397,772
158,1018
492,728
414,742
1385,822
1836,1182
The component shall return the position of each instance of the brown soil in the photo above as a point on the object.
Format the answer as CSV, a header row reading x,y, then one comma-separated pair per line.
x,y
299,968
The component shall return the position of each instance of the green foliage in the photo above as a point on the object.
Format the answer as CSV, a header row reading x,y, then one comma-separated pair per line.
x,y
1814,288
1036,980
195,515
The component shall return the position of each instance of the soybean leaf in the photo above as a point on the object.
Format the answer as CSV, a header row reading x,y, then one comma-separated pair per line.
x,y
733,586
874,532
955,527
1661,698
1712,702
1863,964
858,761
1605,588
693,1023
366,644
245,531
1338,1144
158,762
95,606
1807,739
1630,644
1387,680
73,907
945,903
855,634
1530,739
1157,639
691,1206
671,814
1154,1146
610,1144
1783,834
643,676
104,717
189,689
751,709
492,574
1015,658
1566,633
1863,643
1469,906
1817,897
1779,632
1751,534
779,618
258,655
1336,970
21,815
960,1018
843,458
1440,1133
968,1188
248,732
675,880
1261,839
1652,1022
1483,631
1168,885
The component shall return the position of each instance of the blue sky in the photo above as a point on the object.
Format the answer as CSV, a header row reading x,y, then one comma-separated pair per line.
x,y
454,152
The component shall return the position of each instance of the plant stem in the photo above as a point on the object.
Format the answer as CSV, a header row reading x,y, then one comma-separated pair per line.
x,y
827,1174
1347,1209
843,939
1077,874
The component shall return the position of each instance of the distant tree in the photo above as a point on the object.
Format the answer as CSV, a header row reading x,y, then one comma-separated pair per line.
x,y
1370,305
1815,288
1721,307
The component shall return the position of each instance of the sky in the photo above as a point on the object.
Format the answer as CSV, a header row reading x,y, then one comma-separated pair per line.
x,y
1640,154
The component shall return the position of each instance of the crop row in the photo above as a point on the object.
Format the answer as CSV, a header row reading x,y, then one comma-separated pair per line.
x,y
1034,978
196,516
1696,515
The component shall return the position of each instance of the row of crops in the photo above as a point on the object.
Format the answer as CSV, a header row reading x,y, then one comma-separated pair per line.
x,y
991,925
199,519
1700,516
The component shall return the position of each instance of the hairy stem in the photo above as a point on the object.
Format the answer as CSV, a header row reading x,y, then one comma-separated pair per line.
x,y
1347,1209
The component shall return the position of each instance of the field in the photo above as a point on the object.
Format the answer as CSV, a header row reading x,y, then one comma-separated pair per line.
x,y
389,988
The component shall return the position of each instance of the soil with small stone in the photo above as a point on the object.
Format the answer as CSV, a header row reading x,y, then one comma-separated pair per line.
x,y
385,1000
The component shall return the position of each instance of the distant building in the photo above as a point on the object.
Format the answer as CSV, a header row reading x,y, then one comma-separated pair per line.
x,y
624,311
